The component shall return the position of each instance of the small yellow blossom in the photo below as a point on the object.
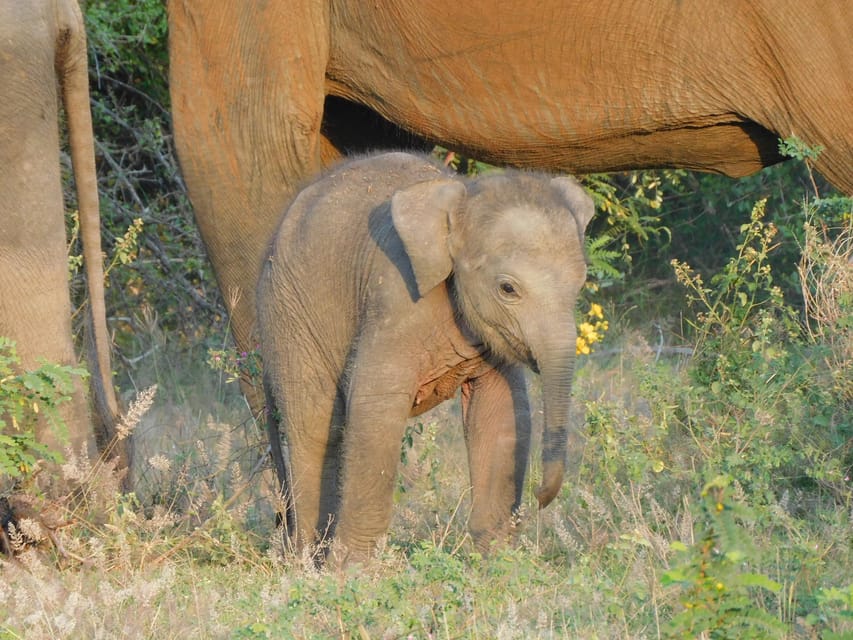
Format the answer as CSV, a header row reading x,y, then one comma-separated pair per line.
x,y
591,330
587,331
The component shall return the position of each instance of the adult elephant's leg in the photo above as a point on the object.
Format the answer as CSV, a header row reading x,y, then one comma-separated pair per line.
x,y
247,90
496,418
35,310
35,306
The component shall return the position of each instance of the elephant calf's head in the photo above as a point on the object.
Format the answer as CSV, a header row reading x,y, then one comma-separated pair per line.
x,y
512,248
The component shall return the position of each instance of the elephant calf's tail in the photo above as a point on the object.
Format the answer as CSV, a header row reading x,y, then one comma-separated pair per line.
x,y
280,455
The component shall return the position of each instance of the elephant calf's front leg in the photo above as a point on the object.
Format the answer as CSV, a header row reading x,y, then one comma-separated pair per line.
x,y
496,418
379,403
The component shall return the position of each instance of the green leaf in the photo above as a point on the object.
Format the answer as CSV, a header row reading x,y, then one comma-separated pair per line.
x,y
758,580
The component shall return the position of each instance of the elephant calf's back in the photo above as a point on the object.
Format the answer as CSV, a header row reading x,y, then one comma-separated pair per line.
x,y
334,249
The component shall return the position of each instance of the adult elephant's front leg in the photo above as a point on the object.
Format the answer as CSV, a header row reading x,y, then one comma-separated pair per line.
x,y
247,88
496,418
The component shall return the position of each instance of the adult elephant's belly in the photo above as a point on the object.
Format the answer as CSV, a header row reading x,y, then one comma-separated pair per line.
x,y
440,384
546,87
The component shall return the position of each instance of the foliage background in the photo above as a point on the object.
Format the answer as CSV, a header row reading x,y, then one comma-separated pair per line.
x,y
711,495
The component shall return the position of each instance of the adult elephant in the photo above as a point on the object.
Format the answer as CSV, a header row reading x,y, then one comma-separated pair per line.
x,y
563,84
43,60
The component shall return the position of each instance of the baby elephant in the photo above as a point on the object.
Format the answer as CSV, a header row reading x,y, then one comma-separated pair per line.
x,y
390,284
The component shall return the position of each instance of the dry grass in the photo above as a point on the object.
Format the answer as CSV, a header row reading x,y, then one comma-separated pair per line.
x,y
194,553
826,275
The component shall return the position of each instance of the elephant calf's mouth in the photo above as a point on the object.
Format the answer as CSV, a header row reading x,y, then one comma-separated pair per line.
x,y
514,350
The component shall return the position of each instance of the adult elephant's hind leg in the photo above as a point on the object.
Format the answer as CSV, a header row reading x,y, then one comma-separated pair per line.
x,y
496,418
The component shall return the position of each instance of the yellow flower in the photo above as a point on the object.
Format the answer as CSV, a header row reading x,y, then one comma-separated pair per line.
x,y
595,311
591,330
587,331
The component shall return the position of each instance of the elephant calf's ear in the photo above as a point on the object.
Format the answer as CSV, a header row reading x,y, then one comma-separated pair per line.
x,y
576,199
421,216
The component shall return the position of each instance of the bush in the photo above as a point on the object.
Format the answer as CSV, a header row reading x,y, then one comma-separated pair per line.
x,y
164,284
762,407
762,403
26,397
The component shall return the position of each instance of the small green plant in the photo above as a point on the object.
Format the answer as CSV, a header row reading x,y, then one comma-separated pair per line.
x,y
835,608
602,259
75,259
411,430
713,578
127,246
25,396
793,147
237,365
754,387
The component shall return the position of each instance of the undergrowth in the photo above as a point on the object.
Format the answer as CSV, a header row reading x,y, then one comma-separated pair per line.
x,y
710,492
710,497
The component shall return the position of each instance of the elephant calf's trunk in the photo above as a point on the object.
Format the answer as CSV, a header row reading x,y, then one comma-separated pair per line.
x,y
557,372
552,481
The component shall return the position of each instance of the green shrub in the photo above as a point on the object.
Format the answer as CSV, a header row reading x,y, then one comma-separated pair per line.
x,y
25,396
763,404
759,406
713,579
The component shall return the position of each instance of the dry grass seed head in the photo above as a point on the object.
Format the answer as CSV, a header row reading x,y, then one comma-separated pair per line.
x,y
138,408
76,467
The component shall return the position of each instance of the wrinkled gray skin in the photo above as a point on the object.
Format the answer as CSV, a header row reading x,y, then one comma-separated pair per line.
x,y
389,285
43,65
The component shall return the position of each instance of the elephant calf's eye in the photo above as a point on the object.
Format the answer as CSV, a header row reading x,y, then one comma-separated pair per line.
x,y
508,291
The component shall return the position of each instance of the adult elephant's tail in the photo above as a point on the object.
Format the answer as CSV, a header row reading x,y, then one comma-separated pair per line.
x,y
72,72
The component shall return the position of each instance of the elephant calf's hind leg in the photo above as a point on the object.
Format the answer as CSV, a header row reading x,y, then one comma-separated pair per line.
x,y
496,417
